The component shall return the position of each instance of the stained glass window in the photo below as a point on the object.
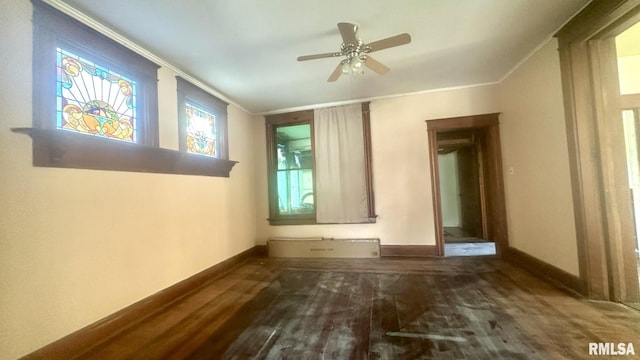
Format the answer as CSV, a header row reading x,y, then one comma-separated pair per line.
x,y
92,99
202,121
201,131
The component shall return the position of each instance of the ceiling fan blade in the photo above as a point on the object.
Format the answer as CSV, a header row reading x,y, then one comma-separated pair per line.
x,y
336,73
392,41
374,65
348,32
318,56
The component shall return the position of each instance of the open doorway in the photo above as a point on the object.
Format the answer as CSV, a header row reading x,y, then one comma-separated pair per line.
x,y
462,194
628,64
467,185
597,113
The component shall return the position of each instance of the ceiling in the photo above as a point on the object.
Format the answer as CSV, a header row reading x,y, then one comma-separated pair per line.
x,y
246,50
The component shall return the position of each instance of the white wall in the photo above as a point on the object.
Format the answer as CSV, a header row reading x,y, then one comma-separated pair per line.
x,y
449,189
78,245
400,152
536,161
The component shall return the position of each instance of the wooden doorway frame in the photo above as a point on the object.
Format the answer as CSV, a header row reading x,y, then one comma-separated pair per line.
x,y
603,215
496,219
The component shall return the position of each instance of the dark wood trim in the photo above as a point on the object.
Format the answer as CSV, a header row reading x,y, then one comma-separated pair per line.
x,y
603,216
66,149
436,199
79,342
188,92
544,270
408,251
462,122
52,29
368,161
496,202
488,136
595,18
292,221
272,122
261,250
307,117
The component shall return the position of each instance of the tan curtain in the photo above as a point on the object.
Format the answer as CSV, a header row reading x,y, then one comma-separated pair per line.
x,y
341,195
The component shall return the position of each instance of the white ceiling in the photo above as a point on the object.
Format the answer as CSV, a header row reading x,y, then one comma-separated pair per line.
x,y
246,50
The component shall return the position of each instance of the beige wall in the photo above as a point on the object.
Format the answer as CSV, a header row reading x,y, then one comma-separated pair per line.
x,y
78,245
535,160
401,169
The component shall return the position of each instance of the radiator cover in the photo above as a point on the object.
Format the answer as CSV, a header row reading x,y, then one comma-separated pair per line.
x,y
317,247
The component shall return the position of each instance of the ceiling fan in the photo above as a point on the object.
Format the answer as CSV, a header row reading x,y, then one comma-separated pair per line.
x,y
356,52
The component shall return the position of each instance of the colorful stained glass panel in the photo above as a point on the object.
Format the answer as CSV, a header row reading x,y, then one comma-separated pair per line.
x,y
91,99
201,131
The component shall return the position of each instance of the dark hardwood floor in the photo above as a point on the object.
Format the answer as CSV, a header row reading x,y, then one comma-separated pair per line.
x,y
449,308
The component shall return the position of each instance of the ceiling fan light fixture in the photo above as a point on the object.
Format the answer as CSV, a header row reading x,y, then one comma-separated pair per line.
x,y
346,67
357,66
356,52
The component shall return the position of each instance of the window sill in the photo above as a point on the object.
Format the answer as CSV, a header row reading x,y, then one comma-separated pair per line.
x,y
292,221
64,149
312,221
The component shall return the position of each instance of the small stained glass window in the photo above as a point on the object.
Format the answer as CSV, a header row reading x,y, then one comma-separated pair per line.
x,y
91,99
201,131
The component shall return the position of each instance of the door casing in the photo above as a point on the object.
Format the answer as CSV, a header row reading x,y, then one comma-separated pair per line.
x,y
492,199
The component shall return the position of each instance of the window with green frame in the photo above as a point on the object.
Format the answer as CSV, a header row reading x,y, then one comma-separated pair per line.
x,y
292,171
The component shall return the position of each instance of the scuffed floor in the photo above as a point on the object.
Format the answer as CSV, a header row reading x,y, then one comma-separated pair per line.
x,y
434,308
464,309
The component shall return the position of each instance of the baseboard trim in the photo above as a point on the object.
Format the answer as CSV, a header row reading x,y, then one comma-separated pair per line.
x,y
544,270
261,251
76,342
408,250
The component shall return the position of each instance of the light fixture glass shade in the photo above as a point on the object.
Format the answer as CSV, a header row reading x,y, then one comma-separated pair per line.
x,y
356,65
346,67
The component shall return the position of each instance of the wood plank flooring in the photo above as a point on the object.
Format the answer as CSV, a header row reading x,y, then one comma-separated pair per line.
x,y
449,308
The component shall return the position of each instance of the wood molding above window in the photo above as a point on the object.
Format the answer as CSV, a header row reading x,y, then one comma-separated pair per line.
x,y
55,145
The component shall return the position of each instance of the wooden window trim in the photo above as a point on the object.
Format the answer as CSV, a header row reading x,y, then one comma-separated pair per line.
x,y
65,149
307,117
52,29
607,263
366,127
189,92
272,123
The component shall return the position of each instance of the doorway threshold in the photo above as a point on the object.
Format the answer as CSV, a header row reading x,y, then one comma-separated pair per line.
x,y
470,249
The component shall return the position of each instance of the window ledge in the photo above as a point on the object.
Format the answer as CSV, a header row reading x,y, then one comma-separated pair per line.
x,y
312,221
64,149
